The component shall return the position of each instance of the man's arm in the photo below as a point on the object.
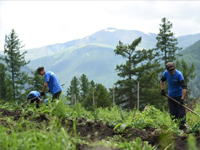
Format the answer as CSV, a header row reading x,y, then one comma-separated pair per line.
x,y
184,93
162,85
39,101
45,86
184,87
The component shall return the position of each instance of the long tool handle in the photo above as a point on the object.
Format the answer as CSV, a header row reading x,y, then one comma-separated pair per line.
x,y
182,105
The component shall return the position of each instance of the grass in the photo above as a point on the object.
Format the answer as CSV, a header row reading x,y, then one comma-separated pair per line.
x,y
27,133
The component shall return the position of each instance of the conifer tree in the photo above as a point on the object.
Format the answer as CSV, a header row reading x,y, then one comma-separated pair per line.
x,y
2,81
102,97
73,91
141,66
14,61
84,86
166,42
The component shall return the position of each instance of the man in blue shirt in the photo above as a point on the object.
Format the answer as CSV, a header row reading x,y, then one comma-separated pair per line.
x,y
34,96
176,89
51,81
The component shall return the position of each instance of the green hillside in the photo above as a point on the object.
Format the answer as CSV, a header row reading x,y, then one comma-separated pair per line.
x,y
192,54
187,40
97,62
94,55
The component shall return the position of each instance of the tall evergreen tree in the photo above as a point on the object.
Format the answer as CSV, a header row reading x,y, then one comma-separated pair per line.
x,y
166,42
73,91
14,61
102,98
2,81
141,66
84,86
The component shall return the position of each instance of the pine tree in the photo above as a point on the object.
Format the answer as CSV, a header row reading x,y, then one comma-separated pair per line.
x,y
84,86
2,81
102,98
141,66
166,42
74,90
14,60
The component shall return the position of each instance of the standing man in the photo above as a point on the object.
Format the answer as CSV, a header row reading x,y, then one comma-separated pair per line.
x,y
51,81
34,96
176,89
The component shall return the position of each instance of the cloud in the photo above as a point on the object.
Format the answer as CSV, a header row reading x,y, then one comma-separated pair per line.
x,y
40,23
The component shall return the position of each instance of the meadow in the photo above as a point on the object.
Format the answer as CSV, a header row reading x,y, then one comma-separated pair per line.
x,y
71,127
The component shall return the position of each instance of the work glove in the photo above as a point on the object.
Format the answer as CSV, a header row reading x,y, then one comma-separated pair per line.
x,y
182,101
42,94
163,92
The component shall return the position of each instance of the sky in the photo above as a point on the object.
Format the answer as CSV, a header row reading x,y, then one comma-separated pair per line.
x,y
41,23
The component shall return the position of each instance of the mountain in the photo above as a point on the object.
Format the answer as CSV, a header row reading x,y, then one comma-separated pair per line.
x,y
191,55
97,62
110,38
93,55
187,40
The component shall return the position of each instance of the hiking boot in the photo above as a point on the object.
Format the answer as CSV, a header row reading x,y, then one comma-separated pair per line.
x,y
183,127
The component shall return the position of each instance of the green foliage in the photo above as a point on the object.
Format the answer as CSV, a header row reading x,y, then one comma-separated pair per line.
x,y
102,98
36,82
14,60
27,133
188,74
141,66
166,42
191,56
74,90
192,143
36,139
84,86
137,144
2,81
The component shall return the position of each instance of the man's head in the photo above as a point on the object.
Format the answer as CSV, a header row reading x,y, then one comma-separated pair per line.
x,y
40,70
170,66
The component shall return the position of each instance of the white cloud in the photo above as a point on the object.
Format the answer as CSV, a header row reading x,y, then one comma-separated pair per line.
x,y
40,23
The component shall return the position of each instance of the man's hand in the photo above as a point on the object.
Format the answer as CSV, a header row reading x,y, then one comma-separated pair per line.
x,y
163,92
182,101
42,93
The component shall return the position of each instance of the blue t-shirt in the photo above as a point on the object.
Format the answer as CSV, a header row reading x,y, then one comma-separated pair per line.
x,y
175,89
52,81
35,93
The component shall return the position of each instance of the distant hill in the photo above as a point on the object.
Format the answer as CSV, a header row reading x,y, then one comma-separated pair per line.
x,y
192,55
94,55
109,37
95,61
187,40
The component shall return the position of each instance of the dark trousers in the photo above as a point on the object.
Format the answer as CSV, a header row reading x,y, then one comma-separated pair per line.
x,y
177,111
56,96
37,102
